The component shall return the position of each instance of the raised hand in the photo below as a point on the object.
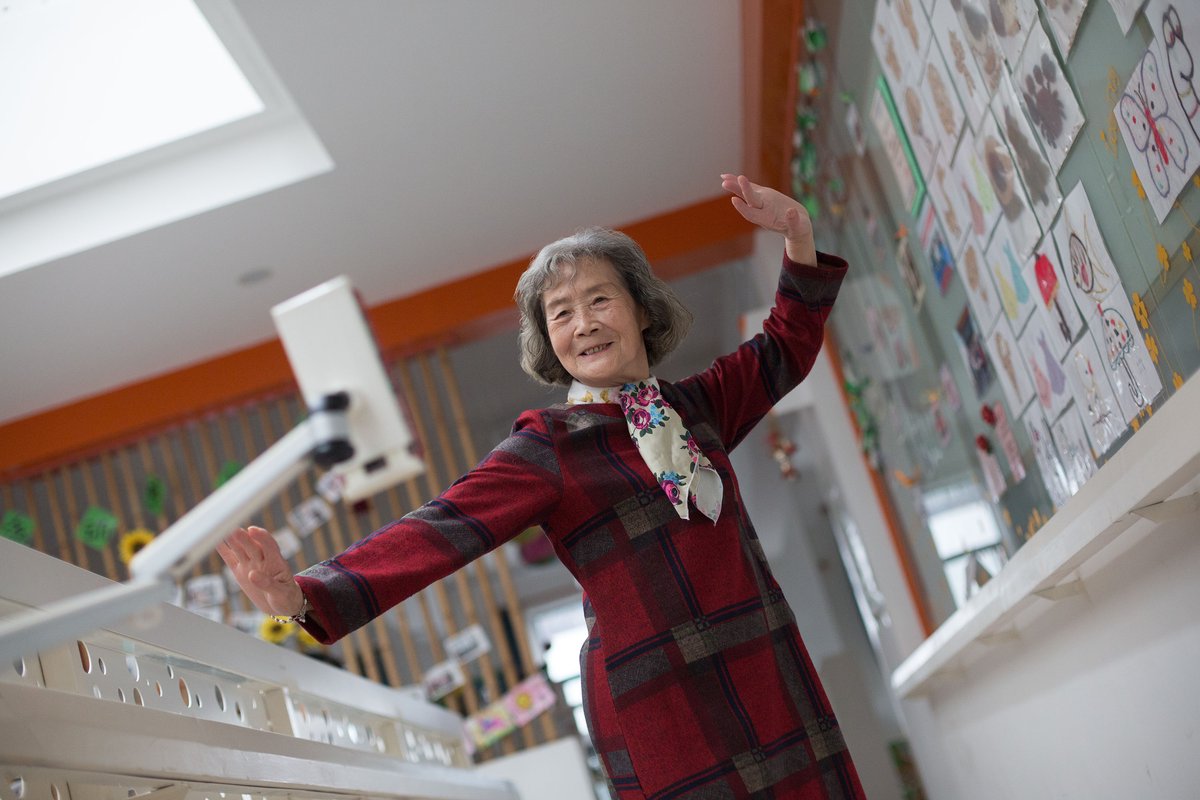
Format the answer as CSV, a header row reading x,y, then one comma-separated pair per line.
x,y
260,569
774,211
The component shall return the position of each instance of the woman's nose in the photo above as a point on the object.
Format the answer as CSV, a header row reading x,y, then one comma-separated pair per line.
x,y
585,322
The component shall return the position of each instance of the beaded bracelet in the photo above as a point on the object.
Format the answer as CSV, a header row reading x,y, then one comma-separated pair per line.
x,y
300,617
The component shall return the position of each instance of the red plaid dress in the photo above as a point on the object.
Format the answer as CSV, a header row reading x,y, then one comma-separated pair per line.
x,y
697,683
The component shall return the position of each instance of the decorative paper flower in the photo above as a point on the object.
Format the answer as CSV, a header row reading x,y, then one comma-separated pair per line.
x,y
1177,379
1139,310
988,415
1187,251
983,444
1152,346
1163,258
132,542
276,631
1137,184
1189,293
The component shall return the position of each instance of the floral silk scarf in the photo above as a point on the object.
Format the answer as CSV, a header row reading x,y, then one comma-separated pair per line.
x,y
666,446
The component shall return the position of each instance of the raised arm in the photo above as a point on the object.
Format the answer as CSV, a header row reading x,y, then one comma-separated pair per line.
x,y
774,211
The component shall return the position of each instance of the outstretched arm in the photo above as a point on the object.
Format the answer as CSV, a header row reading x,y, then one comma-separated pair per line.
x,y
257,564
774,211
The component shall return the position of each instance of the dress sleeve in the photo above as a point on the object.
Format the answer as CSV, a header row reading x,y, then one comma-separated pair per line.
x,y
514,487
740,388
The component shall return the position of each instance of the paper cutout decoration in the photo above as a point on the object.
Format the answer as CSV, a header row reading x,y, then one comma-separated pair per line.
x,y
1050,466
1126,11
154,495
1011,22
942,101
96,528
1005,268
1064,17
1130,368
132,542
1104,419
1001,170
1043,271
1177,25
309,515
1048,98
1156,130
529,698
468,644
204,591
228,470
1036,173
993,476
1006,357
960,61
1089,268
981,38
1072,444
971,349
1050,384
443,678
1008,444
17,526
981,292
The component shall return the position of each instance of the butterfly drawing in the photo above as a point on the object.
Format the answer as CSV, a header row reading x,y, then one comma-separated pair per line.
x,y
1158,137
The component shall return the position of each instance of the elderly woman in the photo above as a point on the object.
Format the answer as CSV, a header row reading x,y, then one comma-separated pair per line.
x,y
697,683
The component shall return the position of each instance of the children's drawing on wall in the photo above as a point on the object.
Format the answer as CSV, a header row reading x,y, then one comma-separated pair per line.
x,y
1157,132
1103,415
1044,271
1130,368
947,200
941,260
912,21
1089,268
1073,448
1005,266
942,102
980,292
1054,474
980,37
1178,23
1064,17
1049,379
971,349
919,124
884,39
960,61
1002,172
1011,21
1035,172
976,188
1014,377
1048,98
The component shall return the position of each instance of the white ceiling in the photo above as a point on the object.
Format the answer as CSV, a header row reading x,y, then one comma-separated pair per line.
x,y
464,134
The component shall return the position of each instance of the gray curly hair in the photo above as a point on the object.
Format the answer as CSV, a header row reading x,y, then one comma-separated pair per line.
x,y
669,318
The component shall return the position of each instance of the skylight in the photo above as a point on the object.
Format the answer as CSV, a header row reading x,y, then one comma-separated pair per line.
x,y
87,83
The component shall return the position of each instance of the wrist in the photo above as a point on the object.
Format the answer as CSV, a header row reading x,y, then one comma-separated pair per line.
x,y
801,252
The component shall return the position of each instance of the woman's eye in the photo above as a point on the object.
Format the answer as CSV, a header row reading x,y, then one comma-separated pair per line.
x,y
600,300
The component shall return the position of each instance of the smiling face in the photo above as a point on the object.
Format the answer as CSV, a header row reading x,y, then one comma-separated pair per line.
x,y
596,326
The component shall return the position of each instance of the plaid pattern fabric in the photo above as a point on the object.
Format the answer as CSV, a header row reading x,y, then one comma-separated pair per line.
x,y
697,683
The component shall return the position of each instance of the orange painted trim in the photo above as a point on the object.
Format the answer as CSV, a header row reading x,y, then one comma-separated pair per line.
x,y
899,543
678,242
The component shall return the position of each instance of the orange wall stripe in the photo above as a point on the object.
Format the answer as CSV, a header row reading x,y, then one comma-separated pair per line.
x,y
678,242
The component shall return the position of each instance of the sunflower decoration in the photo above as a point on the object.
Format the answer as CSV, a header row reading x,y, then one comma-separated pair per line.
x,y
306,640
131,543
276,631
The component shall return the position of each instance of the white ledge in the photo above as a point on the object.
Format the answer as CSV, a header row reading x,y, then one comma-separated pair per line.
x,y
1132,491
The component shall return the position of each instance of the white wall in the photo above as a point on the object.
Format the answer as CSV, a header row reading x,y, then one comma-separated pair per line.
x,y
1097,698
